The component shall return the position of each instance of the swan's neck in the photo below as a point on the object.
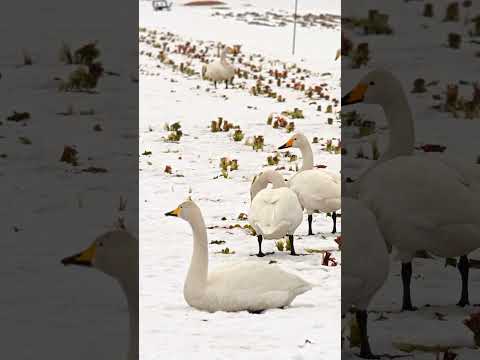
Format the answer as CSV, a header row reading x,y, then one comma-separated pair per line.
x,y
401,138
130,288
276,180
198,272
307,155
223,57
402,133
270,177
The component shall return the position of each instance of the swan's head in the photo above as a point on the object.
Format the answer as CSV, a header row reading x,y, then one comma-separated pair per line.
x,y
187,210
296,141
114,253
378,87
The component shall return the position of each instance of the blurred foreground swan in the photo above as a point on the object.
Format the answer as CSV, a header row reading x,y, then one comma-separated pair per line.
x,y
116,254
220,69
250,286
420,202
276,212
317,189
365,264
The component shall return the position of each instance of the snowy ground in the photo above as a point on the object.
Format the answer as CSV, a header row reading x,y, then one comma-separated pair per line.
x,y
310,328
51,209
417,49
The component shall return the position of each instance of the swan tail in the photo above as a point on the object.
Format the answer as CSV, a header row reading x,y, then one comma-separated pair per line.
x,y
273,232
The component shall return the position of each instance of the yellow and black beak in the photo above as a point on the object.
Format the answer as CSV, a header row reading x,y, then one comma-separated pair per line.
x,y
355,96
175,212
85,258
287,145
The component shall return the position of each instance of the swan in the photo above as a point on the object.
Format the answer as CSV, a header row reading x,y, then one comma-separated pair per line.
x,y
420,202
317,189
361,279
249,286
116,254
220,69
274,212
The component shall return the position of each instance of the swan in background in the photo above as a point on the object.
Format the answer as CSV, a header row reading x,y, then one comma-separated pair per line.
x,y
274,212
220,69
365,264
249,285
420,202
116,254
317,189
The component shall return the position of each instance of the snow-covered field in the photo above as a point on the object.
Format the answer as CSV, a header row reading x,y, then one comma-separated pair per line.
x,y
417,49
169,328
51,209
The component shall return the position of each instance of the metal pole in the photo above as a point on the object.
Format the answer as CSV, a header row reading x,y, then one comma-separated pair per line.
x,y
295,26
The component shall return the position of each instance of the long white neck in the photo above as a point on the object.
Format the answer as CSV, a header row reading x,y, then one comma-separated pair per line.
x,y
198,272
402,132
130,288
223,54
268,177
307,155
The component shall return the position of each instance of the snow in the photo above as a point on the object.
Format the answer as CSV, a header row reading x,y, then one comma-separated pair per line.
x,y
310,327
417,50
51,311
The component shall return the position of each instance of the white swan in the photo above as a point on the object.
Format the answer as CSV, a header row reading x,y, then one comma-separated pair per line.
x,y
317,189
249,285
274,212
421,203
220,69
116,254
365,264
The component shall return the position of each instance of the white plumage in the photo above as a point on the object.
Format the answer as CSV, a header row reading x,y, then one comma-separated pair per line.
x,y
116,254
420,202
276,212
248,286
219,70
365,263
317,189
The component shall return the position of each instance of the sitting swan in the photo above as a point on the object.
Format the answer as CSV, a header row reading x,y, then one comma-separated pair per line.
x,y
220,69
365,264
274,212
249,286
116,254
317,189
421,202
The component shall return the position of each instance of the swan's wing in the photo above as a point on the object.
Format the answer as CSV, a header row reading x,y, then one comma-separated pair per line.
x,y
256,278
275,212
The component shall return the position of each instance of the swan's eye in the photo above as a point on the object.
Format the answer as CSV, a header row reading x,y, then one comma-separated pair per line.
x,y
372,83
100,244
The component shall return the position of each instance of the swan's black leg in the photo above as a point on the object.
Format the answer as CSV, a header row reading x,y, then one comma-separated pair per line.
x,y
365,351
226,84
260,253
406,278
310,219
215,83
292,247
464,267
334,218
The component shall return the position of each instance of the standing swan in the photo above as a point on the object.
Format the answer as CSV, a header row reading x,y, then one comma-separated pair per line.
x,y
361,279
420,203
316,189
274,212
220,69
116,254
249,285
